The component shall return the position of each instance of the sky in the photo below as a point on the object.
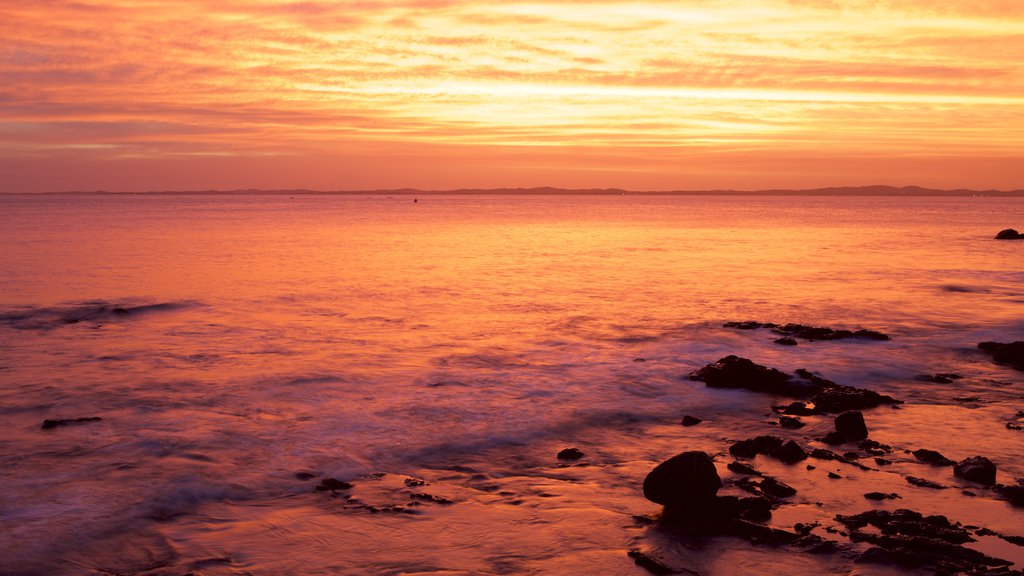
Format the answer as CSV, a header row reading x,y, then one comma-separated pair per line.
x,y
135,95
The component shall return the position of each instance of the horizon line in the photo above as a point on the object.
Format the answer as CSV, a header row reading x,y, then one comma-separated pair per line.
x,y
868,190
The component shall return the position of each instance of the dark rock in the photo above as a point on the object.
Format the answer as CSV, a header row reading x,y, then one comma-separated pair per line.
x,y
881,496
874,448
822,333
785,341
882,462
907,538
1009,234
938,378
976,469
932,457
650,564
790,422
741,468
304,476
851,425
685,481
834,439
823,454
789,452
1015,494
424,497
796,408
1011,354
690,421
772,487
332,484
735,372
851,455
414,482
925,483
834,476
570,454
843,398
51,424
748,325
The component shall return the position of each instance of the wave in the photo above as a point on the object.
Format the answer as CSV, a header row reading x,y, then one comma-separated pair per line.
x,y
97,311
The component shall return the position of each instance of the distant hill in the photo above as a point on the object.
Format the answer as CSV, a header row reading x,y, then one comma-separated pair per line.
x,y
876,190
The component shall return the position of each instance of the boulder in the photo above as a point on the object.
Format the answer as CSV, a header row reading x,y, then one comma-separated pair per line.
x,y
684,481
1009,234
690,421
976,469
850,425
789,452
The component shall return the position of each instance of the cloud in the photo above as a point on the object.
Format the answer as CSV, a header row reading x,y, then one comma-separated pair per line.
x,y
157,79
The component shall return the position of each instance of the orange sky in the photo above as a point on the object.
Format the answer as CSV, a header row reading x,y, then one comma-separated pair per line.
x,y
198,94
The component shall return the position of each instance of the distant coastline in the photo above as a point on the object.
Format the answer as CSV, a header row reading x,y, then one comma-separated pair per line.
x,y
877,190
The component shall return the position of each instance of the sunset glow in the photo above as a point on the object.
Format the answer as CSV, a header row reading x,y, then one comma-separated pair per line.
x,y
160,94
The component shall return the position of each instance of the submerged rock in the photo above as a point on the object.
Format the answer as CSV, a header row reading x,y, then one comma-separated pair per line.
x,y
741,468
51,424
881,496
932,457
946,378
650,564
1011,354
924,483
685,481
785,341
1009,234
690,421
332,484
791,422
1015,494
807,332
570,454
976,469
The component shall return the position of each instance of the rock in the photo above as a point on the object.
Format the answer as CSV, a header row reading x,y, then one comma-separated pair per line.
x,y
834,476
932,457
790,422
851,425
925,483
304,476
51,424
685,481
909,538
827,396
1015,494
785,341
874,448
881,496
796,408
741,468
947,378
976,469
650,564
882,462
748,325
789,452
772,487
735,372
690,421
424,497
332,484
1011,354
570,454
1009,234
822,333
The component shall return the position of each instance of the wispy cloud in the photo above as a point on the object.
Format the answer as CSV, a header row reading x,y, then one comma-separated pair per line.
x,y
739,93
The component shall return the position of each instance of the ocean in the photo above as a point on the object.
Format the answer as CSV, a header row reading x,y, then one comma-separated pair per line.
x,y
240,348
